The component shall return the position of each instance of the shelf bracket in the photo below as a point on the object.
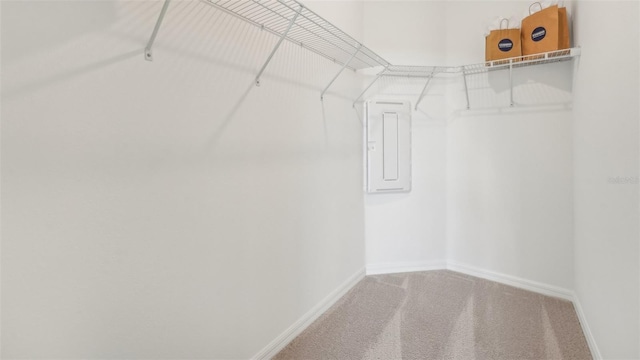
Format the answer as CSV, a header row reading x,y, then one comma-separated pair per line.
x,y
148,55
511,82
424,89
466,88
282,37
576,66
340,72
370,85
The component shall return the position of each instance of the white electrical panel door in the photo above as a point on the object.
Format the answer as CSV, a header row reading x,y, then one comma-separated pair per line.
x,y
388,141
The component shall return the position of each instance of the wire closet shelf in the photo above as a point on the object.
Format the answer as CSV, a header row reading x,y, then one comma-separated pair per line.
x,y
290,20
521,61
308,30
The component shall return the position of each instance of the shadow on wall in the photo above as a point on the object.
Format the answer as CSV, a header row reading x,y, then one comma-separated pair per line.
x,y
232,52
31,28
43,25
431,105
220,129
534,86
65,75
200,32
548,74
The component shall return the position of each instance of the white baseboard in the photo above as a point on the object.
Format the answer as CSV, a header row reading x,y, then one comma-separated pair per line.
x,y
544,289
595,352
392,268
294,330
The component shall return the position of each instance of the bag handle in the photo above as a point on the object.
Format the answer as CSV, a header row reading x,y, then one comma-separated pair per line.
x,y
530,6
503,20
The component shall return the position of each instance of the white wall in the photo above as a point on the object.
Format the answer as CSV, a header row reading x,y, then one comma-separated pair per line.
x,y
605,129
509,170
528,188
491,186
169,209
173,209
406,231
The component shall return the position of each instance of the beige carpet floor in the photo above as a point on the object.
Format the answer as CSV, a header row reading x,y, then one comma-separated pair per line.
x,y
441,315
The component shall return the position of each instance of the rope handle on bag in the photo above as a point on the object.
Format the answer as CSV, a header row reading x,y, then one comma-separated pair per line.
x,y
503,20
530,6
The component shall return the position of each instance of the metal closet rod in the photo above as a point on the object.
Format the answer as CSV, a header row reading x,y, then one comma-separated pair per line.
x,y
291,21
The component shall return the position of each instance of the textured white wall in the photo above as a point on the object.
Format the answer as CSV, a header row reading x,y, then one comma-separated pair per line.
x,y
169,209
509,170
606,153
408,229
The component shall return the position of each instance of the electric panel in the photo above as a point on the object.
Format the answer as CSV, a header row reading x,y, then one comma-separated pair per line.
x,y
388,146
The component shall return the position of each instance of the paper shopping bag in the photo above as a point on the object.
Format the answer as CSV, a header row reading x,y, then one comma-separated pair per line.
x,y
563,23
502,43
545,30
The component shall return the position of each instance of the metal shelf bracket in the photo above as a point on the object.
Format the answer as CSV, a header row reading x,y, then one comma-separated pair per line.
x,y
510,82
424,89
466,88
148,54
370,85
282,37
340,72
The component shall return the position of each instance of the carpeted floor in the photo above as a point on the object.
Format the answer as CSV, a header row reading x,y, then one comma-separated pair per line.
x,y
441,315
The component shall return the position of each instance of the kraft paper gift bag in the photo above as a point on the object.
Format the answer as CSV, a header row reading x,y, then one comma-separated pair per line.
x,y
545,30
502,43
563,22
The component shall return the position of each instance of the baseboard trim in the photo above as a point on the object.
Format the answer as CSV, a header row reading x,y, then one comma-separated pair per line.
x,y
402,267
303,322
586,330
538,287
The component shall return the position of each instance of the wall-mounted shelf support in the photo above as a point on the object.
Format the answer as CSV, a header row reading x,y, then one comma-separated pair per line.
x,y
370,85
340,72
466,88
576,65
424,89
282,37
148,55
510,82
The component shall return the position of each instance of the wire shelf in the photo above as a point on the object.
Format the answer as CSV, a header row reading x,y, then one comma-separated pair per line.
x,y
290,20
522,61
309,30
415,71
